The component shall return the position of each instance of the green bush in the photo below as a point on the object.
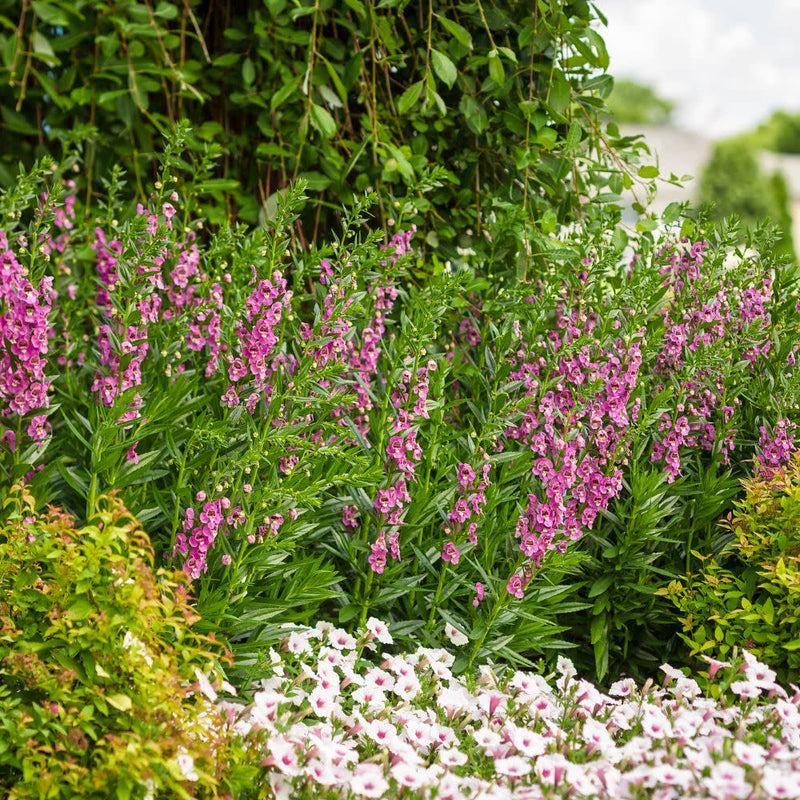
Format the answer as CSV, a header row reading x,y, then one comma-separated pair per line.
x,y
780,133
98,663
634,103
749,596
449,110
734,184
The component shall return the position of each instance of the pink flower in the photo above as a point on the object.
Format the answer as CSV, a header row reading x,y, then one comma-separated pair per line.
x,y
515,587
479,594
132,455
451,553
350,517
466,475
39,428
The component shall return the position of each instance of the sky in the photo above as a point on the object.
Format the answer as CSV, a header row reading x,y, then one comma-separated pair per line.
x,y
726,64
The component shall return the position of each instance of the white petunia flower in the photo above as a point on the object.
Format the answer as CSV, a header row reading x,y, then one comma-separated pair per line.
x,y
379,630
455,636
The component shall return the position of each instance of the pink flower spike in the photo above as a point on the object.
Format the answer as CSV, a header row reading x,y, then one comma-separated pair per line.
x,y
479,594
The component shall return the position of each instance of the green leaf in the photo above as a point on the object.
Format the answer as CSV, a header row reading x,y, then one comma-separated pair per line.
x,y
768,610
601,657
284,93
509,54
50,14
459,33
444,68
560,92
573,136
81,608
120,701
409,98
166,11
600,585
42,47
123,789
17,122
227,59
248,72
473,112
496,71
598,628
9,49
346,613
322,121
336,80
648,171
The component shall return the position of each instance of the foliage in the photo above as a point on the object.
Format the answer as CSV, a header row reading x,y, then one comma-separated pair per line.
x,y
487,105
98,662
750,594
780,133
507,734
634,103
705,400
320,432
734,183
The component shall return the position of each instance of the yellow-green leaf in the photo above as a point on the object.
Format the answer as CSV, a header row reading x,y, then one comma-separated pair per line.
x,y
120,701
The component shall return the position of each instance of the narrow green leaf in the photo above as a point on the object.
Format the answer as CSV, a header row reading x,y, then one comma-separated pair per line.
x,y
559,92
600,585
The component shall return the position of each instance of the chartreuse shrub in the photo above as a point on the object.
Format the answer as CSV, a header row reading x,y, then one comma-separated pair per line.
x,y
749,596
317,432
99,664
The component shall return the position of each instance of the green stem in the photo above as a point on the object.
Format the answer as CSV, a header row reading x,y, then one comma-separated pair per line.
x,y
177,511
366,600
498,607
439,587
92,498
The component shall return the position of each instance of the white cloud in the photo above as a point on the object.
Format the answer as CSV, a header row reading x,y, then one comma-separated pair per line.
x,y
726,63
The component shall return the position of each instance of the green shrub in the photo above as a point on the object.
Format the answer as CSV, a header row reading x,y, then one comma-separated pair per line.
x,y
98,663
453,108
634,103
735,184
749,596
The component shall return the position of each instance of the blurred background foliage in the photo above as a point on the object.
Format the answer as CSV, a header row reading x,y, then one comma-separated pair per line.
x,y
634,103
734,182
